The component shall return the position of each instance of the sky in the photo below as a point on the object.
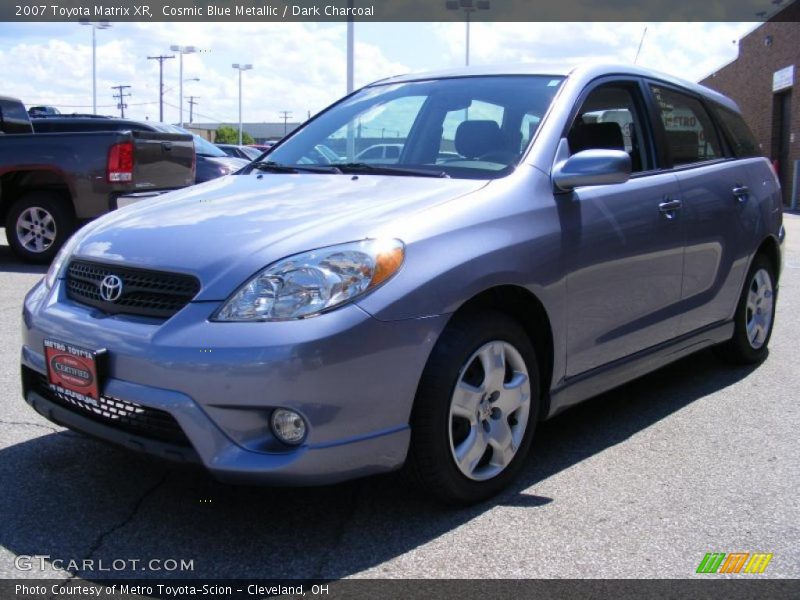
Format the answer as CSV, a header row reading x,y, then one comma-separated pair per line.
x,y
301,68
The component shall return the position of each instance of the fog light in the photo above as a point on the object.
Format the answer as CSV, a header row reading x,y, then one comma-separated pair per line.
x,y
288,426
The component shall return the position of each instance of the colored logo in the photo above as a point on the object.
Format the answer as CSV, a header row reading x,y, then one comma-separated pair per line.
x,y
736,562
111,288
72,370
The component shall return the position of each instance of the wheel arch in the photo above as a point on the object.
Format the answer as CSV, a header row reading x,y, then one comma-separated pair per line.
x,y
770,247
16,183
526,308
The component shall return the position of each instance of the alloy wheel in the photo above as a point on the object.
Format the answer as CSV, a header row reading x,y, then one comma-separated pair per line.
x,y
489,410
36,229
758,314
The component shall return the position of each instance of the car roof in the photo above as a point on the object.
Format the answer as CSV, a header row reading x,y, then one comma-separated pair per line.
x,y
584,73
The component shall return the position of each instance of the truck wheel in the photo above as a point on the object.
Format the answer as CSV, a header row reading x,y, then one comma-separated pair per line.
x,y
38,224
476,409
755,315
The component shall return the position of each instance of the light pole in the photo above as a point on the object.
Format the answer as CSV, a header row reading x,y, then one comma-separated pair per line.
x,y
182,50
241,68
469,7
351,142
95,26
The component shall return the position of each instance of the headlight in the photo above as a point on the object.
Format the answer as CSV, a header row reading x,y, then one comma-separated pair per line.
x,y
308,284
55,267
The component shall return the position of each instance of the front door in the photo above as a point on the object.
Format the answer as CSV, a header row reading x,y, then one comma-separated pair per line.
x,y
624,242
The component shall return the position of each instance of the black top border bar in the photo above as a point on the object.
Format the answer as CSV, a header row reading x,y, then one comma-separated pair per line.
x,y
277,11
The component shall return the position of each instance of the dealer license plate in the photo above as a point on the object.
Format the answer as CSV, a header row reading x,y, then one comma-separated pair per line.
x,y
72,370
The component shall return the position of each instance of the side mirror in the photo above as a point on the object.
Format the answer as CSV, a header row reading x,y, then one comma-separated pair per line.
x,y
592,167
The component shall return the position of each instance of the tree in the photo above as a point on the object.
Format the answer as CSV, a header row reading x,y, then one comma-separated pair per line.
x,y
230,135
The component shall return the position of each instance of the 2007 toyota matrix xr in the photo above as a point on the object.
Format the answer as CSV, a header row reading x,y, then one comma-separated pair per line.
x,y
540,238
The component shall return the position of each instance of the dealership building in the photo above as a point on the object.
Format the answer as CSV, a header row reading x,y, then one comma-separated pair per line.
x,y
763,81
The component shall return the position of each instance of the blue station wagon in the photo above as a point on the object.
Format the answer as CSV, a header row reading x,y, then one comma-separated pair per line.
x,y
539,238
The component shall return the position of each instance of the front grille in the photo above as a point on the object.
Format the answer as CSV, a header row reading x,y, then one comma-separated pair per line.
x,y
121,414
148,293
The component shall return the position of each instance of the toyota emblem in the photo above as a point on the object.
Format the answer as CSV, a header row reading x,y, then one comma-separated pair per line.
x,y
111,288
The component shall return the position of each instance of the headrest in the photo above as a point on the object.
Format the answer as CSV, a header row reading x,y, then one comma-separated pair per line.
x,y
683,145
586,136
476,138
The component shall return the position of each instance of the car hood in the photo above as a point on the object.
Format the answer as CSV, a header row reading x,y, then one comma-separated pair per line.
x,y
225,230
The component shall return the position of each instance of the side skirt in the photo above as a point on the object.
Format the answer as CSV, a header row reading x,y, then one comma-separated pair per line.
x,y
581,387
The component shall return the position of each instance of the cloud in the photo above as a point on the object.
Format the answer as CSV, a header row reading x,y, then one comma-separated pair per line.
x,y
687,50
300,67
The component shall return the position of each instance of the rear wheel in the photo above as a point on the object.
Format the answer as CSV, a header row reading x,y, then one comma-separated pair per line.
x,y
38,224
476,409
755,316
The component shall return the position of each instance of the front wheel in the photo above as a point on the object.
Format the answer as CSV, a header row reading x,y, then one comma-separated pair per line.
x,y
476,409
755,316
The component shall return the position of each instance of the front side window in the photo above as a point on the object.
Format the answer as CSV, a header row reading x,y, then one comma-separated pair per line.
x,y
691,136
608,120
468,127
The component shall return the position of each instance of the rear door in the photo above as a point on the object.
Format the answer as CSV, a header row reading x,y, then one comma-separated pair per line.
x,y
162,160
716,190
624,241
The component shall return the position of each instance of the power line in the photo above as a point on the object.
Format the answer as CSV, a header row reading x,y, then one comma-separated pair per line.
x,y
58,104
161,58
209,117
121,97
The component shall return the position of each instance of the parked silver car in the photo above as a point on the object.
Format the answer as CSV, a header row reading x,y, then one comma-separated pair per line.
x,y
541,238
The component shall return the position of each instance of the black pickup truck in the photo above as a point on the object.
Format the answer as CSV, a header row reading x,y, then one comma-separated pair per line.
x,y
50,182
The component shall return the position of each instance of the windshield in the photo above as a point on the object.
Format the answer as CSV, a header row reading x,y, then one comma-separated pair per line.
x,y
205,148
468,127
201,145
251,153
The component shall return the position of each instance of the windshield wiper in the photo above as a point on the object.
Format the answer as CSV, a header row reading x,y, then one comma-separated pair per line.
x,y
357,167
274,167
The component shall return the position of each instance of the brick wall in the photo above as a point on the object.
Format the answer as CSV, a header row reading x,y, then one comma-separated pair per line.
x,y
748,81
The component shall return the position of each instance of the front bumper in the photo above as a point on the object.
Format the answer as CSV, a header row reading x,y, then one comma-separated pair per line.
x,y
352,377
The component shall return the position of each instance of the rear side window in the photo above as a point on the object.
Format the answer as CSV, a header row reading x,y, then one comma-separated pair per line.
x,y
739,135
13,117
691,136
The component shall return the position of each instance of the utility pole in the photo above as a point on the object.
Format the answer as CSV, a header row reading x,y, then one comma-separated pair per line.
x,y
120,96
285,115
161,58
192,102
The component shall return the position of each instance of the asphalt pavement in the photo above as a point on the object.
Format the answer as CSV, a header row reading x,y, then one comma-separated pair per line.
x,y
639,482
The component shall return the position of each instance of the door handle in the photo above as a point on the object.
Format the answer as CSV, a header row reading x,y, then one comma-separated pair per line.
x,y
741,192
668,208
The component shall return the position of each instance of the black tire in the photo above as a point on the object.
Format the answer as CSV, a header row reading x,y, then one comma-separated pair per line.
x,y
59,227
431,462
739,350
